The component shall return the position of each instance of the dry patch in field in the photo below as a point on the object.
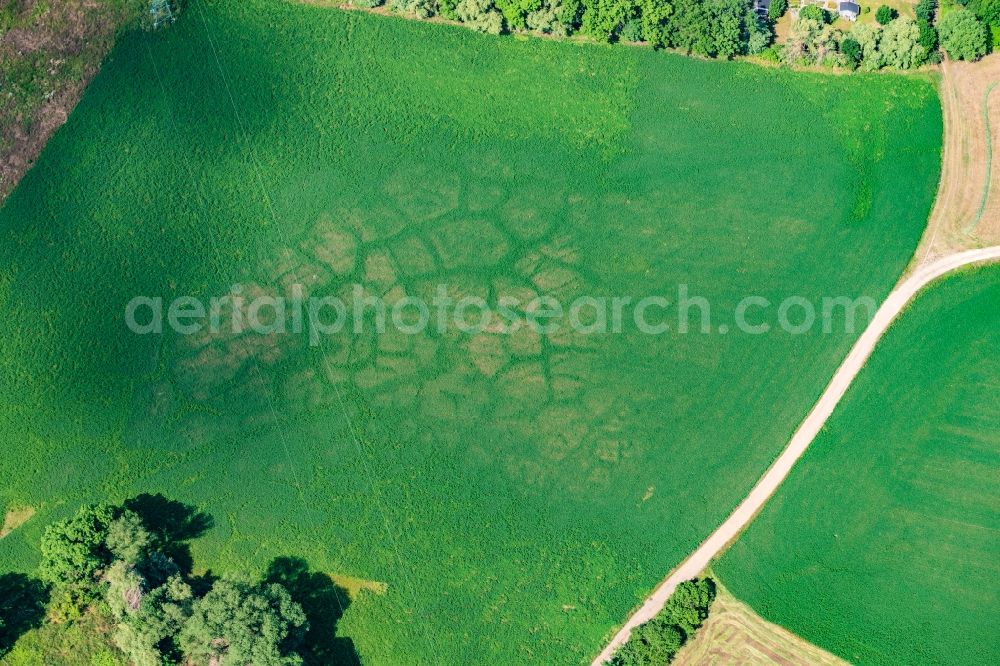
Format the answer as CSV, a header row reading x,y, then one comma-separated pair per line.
x,y
427,234
354,586
734,634
14,518
967,210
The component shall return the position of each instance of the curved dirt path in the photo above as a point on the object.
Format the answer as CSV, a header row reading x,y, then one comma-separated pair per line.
x,y
697,561
966,211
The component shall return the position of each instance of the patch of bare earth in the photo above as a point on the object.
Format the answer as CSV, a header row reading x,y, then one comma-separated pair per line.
x,y
966,213
355,586
734,634
14,518
49,54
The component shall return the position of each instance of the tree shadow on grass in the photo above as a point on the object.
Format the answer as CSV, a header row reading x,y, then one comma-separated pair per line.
x,y
324,603
172,525
22,607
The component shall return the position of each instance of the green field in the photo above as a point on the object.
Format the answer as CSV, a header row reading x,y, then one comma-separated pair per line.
x,y
518,495
882,545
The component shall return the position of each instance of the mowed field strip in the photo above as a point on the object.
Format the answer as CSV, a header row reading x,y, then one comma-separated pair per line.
x,y
714,545
966,211
514,496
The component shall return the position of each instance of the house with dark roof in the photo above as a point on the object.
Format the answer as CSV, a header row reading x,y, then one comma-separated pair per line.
x,y
849,10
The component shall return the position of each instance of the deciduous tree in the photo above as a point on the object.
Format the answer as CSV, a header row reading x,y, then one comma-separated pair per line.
x,y
236,624
868,36
963,36
925,10
900,45
810,42
480,15
147,632
852,51
988,11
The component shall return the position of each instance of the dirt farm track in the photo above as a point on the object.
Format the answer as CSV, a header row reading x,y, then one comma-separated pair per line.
x,y
963,230
967,211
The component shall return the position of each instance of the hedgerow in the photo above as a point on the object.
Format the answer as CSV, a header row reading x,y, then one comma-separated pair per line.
x,y
712,28
655,643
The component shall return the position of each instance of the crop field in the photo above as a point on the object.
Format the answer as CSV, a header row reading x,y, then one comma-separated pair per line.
x,y
882,545
491,498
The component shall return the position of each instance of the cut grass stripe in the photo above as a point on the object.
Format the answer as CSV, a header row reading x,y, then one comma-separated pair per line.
x,y
989,162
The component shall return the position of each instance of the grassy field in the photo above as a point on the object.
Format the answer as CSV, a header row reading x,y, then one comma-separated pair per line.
x,y
512,497
882,545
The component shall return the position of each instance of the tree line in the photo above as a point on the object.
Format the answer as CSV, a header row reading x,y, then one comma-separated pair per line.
x,y
729,28
711,28
129,566
892,42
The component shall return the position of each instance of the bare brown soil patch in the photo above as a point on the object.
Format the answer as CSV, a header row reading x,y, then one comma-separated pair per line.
x,y
14,518
966,213
47,58
734,634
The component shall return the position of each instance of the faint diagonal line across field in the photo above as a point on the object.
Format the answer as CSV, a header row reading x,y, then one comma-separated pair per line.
x,y
295,477
270,402
363,454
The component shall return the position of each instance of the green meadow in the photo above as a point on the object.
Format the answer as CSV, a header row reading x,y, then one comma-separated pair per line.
x,y
507,498
882,545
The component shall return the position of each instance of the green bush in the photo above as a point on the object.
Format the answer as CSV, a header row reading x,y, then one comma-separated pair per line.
x,y
570,14
851,49
419,8
885,15
604,19
73,549
928,37
815,13
632,32
771,54
926,10
900,45
777,9
546,19
240,623
759,34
